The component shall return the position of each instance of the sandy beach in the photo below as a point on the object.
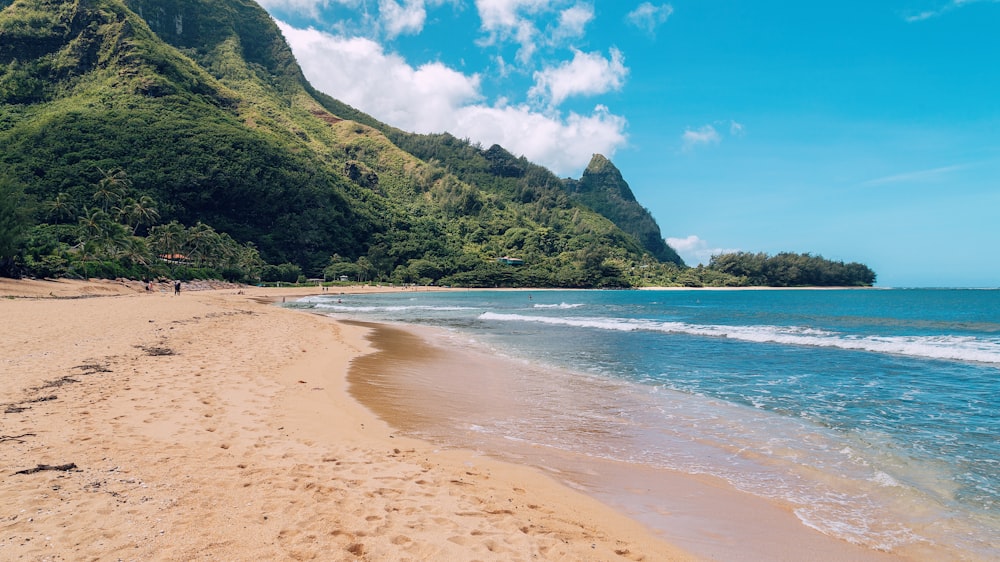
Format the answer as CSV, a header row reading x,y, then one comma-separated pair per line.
x,y
140,425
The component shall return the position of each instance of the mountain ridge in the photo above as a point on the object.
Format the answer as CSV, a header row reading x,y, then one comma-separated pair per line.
x,y
602,188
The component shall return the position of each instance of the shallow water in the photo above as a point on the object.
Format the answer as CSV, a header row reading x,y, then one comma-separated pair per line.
x,y
871,414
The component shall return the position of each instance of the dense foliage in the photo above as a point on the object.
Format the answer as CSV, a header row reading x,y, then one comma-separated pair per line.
x,y
117,234
603,189
179,138
13,223
791,270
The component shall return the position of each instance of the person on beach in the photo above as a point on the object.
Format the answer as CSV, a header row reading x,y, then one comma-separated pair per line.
x,y
177,287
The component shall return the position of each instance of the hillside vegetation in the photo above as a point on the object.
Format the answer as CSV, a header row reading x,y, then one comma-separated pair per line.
x,y
179,138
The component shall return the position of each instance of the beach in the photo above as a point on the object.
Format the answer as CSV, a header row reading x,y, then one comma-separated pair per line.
x,y
140,425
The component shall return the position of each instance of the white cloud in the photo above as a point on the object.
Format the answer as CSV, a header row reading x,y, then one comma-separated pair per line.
x,y
402,18
359,72
391,19
434,98
306,7
710,134
572,22
649,17
693,250
704,135
586,74
564,145
945,8
500,15
921,16
514,21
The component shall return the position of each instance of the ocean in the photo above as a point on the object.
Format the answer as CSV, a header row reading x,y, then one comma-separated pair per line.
x,y
874,414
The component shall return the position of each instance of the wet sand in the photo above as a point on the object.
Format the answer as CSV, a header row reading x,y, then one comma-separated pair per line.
x,y
425,386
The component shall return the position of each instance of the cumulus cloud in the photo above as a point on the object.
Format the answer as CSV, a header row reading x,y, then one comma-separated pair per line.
x,y
586,74
508,20
562,144
359,72
499,15
434,98
693,250
572,22
519,21
398,18
390,18
648,17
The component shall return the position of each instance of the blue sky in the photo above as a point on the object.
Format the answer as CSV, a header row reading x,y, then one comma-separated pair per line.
x,y
858,130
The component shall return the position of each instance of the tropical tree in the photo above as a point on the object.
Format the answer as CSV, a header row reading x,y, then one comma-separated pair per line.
x,y
135,213
111,188
136,250
202,243
92,224
365,269
60,208
249,262
13,224
168,239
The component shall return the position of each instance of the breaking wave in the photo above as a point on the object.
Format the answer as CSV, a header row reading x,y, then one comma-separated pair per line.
x,y
955,348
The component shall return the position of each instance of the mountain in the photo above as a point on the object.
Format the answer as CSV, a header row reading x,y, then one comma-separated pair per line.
x,y
603,189
196,112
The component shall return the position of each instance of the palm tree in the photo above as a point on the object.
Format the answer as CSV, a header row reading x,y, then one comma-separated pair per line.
x,y
203,243
91,228
249,261
113,240
105,236
61,207
91,223
134,213
136,250
168,239
123,211
112,188
365,268
143,213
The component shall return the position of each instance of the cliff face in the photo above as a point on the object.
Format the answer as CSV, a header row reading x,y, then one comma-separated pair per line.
x,y
603,189
202,106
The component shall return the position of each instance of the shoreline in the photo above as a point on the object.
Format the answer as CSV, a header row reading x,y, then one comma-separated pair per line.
x,y
415,372
166,427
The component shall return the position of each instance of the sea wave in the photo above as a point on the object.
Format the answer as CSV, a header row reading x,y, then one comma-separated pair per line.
x,y
560,306
948,347
400,308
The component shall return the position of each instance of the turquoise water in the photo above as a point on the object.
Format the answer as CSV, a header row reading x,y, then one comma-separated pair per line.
x,y
875,413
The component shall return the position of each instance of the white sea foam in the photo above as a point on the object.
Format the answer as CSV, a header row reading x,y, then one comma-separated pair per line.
x,y
560,306
959,348
885,480
399,308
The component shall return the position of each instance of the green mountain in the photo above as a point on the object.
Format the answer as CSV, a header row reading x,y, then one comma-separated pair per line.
x,y
603,189
142,128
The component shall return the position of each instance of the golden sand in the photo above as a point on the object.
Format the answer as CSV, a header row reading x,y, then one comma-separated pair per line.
x,y
212,425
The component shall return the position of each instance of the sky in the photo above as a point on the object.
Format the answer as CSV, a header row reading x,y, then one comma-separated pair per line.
x,y
859,130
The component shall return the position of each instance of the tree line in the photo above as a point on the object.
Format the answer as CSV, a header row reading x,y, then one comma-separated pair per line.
x,y
114,233
791,270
